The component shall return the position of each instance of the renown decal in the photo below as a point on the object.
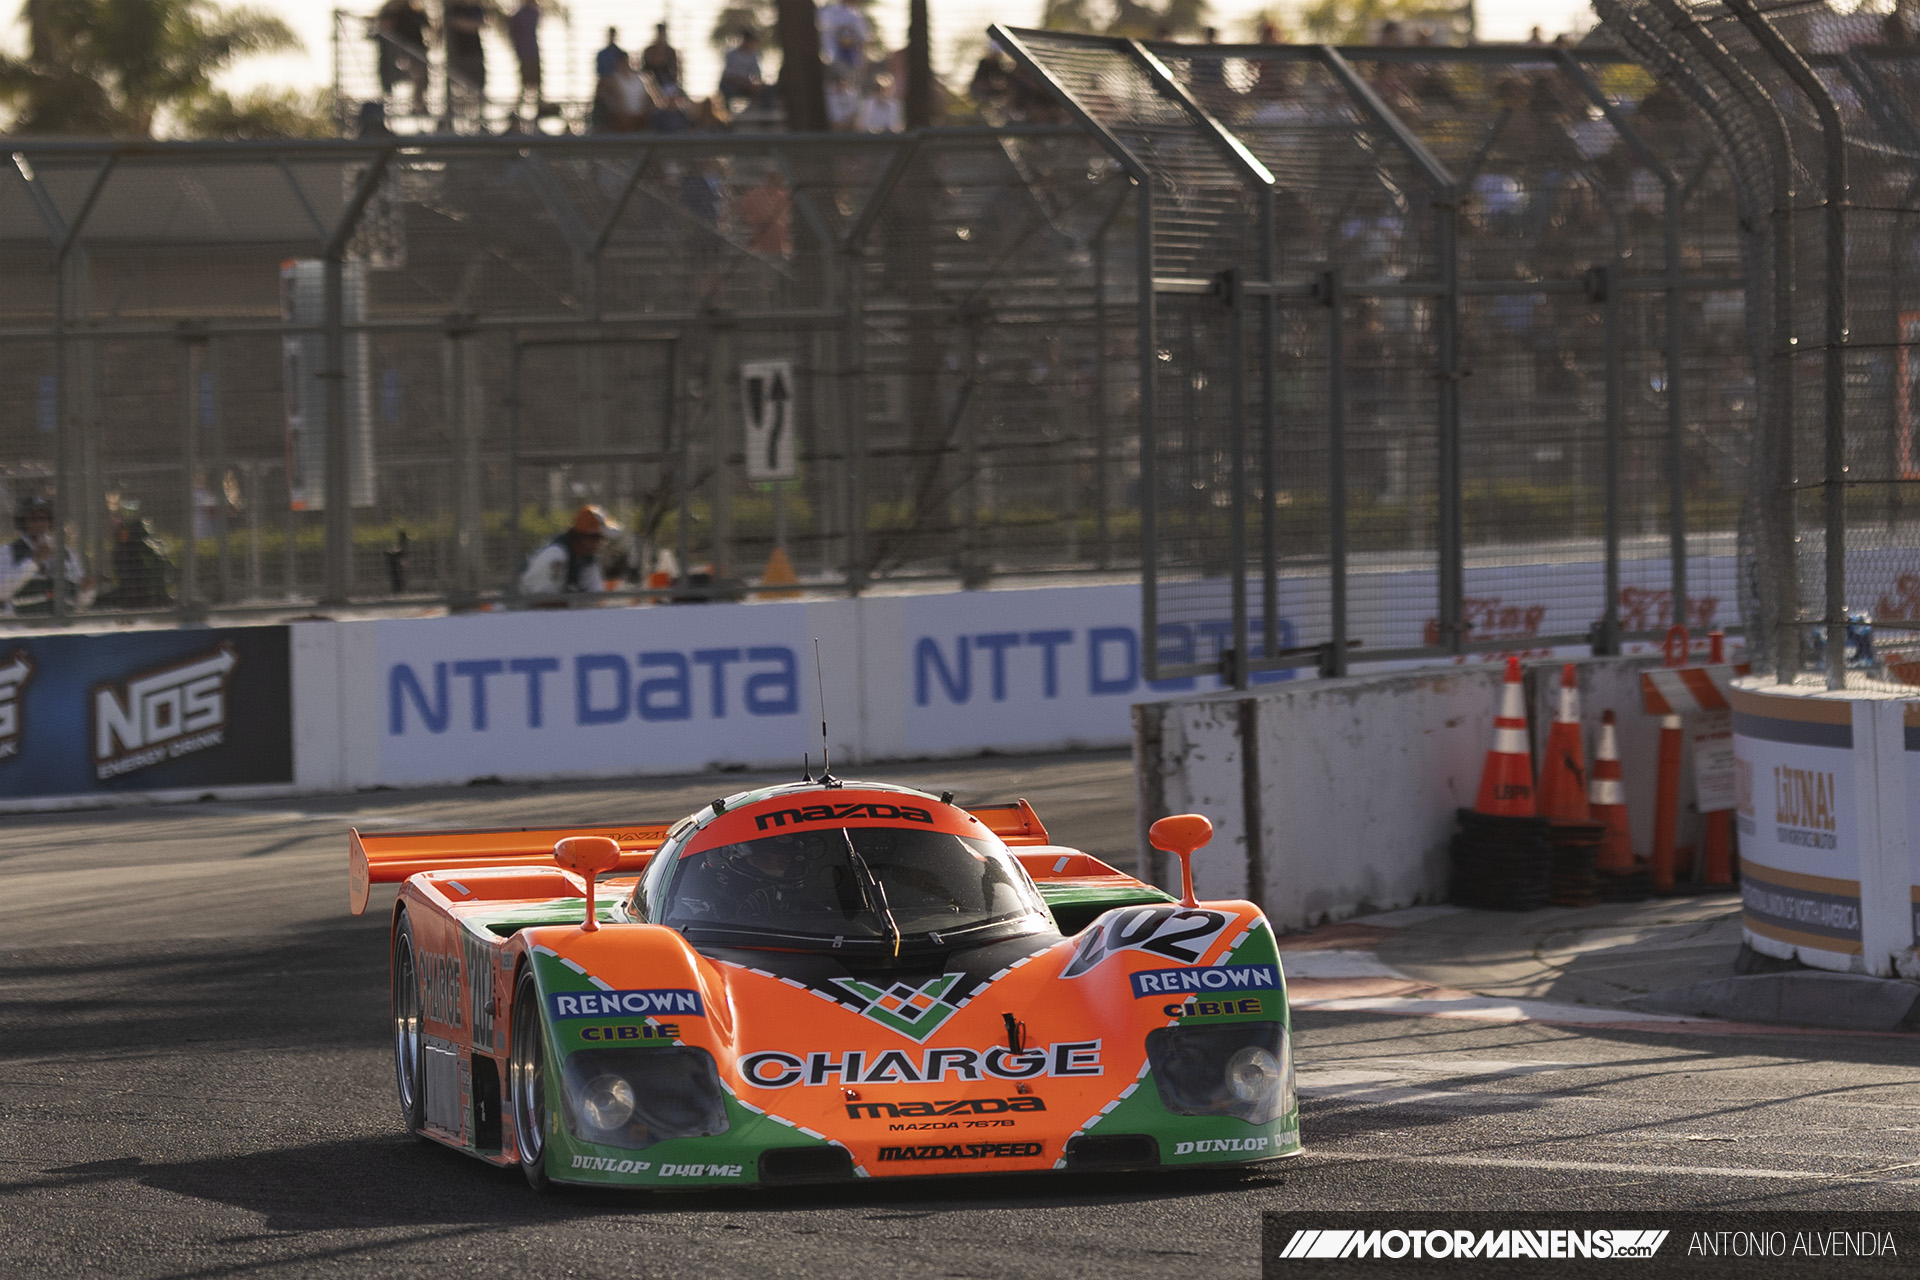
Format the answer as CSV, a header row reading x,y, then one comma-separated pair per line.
x,y
1178,933
161,714
774,1069
1213,977
963,1151
943,1107
13,683
914,1012
842,812
629,1004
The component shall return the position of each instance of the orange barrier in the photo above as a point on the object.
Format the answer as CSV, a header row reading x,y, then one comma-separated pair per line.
x,y
1607,799
1563,771
1506,781
1719,853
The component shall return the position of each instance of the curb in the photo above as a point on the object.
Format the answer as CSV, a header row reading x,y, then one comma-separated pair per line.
x,y
1807,998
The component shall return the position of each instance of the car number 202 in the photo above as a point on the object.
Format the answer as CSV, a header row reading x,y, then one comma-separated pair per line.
x,y
1178,933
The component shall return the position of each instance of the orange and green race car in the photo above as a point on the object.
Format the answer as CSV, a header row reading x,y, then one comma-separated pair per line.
x,y
824,981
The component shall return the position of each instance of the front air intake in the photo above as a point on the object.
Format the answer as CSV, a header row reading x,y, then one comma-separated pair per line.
x,y
805,1164
1118,1151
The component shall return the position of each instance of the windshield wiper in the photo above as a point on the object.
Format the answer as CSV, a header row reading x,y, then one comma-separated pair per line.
x,y
884,911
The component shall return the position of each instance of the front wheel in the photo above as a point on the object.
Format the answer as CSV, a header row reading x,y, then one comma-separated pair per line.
x,y
527,1081
409,1048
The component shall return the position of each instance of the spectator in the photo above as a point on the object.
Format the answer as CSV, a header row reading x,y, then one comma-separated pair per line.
x,y
843,99
660,61
1209,73
523,29
766,211
740,74
26,581
400,31
571,562
466,58
608,60
141,568
881,110
844,35
990,79
622,104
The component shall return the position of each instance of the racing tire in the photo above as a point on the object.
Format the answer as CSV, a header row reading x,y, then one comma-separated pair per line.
x,y
409,1042
527,1081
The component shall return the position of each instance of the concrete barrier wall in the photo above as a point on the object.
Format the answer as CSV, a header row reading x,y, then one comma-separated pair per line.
x,y
1353,784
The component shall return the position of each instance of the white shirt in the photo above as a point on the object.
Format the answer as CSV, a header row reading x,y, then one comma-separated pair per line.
x,y
18,567
546,573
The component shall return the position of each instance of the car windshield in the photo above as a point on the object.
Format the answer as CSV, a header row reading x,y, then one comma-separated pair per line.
x,y
848,884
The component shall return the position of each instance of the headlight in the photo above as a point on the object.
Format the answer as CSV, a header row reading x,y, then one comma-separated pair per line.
x,y
1252,1075
1240,1069
634,1098
607,1102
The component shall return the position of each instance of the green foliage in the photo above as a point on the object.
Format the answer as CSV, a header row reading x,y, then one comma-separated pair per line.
x,y
112,67
262,115
736,16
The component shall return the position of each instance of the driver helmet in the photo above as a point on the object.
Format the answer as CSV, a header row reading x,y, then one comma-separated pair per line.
x,y
777,859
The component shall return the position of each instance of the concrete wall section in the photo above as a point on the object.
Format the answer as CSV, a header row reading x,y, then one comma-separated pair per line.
x,y
1354,783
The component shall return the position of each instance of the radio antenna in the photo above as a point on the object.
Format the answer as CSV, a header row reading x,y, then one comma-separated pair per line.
x,y
820,682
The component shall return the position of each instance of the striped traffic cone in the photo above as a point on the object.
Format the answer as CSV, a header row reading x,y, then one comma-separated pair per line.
x,y
1607,797
1563,773
1506,781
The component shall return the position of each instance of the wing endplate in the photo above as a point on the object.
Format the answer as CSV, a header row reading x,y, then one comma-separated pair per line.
x,y
1016,824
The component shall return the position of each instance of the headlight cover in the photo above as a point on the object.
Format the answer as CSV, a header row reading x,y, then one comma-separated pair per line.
x,y
634,1098
1240,1069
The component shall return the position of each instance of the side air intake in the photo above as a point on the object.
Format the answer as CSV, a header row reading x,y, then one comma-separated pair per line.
x,y
805,1164
1116,1151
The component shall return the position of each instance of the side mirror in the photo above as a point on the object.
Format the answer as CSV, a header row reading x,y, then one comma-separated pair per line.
x,y
1180,835
590,856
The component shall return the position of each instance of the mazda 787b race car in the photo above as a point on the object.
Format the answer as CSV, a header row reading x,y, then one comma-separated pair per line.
x,y
824,981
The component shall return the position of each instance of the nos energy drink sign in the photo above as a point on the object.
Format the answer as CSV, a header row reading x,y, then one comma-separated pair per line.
x,y
144,711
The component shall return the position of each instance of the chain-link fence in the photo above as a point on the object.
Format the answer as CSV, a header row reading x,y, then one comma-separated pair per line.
x,y
1817,111
1446,349
331,372
1449,347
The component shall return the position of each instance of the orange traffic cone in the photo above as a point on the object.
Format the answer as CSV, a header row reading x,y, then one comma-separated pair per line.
x,y
1607,797
779,574
1506,781
1563,773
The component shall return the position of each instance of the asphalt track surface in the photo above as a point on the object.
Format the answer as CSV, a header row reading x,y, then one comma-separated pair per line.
x,y
195,1081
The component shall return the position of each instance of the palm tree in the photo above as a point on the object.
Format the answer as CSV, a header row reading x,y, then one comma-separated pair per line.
x,y
114,67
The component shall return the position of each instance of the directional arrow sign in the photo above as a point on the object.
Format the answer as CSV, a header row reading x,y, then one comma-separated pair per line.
x,y
766,401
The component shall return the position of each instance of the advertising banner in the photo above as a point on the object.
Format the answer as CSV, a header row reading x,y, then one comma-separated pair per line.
x,y
1798,820
144,711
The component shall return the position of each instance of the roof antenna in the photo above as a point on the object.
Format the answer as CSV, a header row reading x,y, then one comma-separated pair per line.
x,y
806,766
826,760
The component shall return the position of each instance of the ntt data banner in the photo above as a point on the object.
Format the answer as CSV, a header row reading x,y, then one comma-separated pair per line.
x,y
144,711
1620,1245
668,689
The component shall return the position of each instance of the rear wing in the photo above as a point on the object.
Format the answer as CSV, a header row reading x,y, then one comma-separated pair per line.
x,y
1016,824
389,859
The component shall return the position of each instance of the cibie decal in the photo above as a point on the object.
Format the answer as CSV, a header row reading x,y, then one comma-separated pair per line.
x,y
914,1012
774,1069
624,1004
1182,934
13,682
161,714
1213,977
841,813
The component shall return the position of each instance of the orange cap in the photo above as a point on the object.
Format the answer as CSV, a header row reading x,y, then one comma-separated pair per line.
x,y
594,521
